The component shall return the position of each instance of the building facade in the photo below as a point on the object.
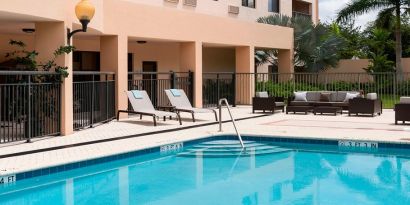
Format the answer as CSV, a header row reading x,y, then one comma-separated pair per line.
x,y
125,36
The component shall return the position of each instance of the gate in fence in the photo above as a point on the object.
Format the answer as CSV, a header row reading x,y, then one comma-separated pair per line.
x,y
93,98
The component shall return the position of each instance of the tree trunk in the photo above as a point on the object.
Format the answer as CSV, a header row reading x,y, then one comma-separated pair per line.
x,y
399,68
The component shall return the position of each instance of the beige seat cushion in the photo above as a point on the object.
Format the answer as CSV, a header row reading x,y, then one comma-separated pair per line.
x,y
405,100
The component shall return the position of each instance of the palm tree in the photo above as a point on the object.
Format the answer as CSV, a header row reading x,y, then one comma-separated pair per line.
x,y
389,9
316,46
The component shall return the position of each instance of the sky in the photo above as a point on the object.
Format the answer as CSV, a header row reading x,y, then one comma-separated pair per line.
x,y
328,10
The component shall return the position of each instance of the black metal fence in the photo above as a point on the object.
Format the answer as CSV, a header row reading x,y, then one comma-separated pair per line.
x,y
30,105
239,88
155,84
93,98
216,86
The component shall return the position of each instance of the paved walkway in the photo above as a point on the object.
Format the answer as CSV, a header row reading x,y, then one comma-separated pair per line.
x,y
379,128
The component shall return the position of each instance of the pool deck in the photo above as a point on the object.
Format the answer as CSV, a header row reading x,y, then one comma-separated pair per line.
x,y
133,134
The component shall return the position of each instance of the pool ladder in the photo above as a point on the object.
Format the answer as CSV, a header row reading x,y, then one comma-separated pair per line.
x,y
220,103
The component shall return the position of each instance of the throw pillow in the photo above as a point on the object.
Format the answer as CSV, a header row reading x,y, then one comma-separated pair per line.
x,y
262,94
300,96
325,97
350,96
405,100
137,94
175,92
371,96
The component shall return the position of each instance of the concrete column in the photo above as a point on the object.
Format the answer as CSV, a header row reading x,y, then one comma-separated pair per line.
x,y
114,51
191,59
285,65
245,84
50,36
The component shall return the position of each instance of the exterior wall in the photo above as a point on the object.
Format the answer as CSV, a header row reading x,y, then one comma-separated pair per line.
x,y
218,59
155,23
406,64
6,47
220,8
87,44
350,66
166,54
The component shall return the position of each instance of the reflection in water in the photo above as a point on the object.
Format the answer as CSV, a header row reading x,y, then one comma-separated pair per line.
x,y
285,177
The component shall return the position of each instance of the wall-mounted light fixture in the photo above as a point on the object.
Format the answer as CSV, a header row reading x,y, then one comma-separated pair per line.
x,y
28,30
85,12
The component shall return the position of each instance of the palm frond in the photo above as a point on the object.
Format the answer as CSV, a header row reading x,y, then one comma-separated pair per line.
x,y
359,7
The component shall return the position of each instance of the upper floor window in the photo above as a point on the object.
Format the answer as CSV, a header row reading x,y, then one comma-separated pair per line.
x,y
249,3
273,6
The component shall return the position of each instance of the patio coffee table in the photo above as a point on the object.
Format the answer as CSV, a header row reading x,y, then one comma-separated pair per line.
x,y
327,110
296,109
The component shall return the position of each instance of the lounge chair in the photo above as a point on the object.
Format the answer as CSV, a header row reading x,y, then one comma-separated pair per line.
x,y
180,102
142,105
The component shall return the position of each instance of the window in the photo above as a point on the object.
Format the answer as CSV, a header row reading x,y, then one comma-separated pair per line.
x,y
249,3
273,6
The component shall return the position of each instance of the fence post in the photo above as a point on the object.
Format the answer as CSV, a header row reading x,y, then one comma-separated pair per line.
x,y
217,86
29,109
106,96
92,101
395,86
173,80
191,85
234,89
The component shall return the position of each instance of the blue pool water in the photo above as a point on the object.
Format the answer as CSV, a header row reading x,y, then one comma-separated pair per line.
x,y
217,172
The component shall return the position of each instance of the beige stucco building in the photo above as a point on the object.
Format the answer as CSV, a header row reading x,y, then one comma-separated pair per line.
x,y
174,35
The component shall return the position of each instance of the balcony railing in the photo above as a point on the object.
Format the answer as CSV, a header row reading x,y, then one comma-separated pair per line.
x,y
301,14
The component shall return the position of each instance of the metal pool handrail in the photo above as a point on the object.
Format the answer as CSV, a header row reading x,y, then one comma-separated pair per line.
x,y
224,100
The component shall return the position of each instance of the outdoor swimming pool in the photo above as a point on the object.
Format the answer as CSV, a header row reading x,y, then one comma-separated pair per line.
x,y
218,172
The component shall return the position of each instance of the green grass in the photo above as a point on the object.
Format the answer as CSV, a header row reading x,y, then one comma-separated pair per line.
x,y
389,100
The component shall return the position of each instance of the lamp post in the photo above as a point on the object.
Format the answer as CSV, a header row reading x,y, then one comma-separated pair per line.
x,y
84,11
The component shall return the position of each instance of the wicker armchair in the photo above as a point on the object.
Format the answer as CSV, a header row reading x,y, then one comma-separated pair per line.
x,y
402,110
365,106
268,103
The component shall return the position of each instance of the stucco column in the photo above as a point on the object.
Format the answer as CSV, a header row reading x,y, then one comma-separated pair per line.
x,y
49,37
245,82
114,51
285,65
191,59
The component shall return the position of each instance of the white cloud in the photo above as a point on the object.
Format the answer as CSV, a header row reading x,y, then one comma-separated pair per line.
x,y
328,10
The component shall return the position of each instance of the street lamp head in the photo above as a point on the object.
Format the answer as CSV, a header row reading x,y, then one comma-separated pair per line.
x,y
84,11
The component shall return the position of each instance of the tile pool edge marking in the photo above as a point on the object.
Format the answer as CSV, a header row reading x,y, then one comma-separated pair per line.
x,y
8,179
171,147
358,144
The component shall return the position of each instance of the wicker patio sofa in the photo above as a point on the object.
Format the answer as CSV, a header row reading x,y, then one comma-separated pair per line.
x,y
262,101
402,110
315,98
